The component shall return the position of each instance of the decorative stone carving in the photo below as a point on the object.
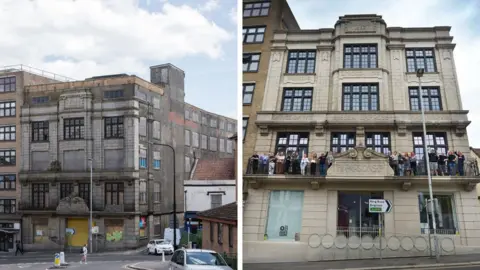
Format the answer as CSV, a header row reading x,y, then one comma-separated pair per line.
x,y
360,131
402,129
360,27
292,117
360,161
406,185
319,130
470,186
325,56
348,73
361,118
276,56
263,130
315,184
447,55
55,166
460,130
297,79
72,205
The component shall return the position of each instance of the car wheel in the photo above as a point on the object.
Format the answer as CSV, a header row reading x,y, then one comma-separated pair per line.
x,y
156,253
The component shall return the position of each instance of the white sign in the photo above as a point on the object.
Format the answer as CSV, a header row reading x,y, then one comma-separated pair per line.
x,y
379,206
95,229
168,235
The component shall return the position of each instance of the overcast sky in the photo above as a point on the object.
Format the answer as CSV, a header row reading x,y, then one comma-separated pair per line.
x,y
84,38
463,16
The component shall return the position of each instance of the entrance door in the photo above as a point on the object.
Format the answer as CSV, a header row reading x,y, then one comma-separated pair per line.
x,y
80,228
3,241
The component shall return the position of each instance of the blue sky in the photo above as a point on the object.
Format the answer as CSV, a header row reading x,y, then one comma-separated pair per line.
x,y
463,16
80,39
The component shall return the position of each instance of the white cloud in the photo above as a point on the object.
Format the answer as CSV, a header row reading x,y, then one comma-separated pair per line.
x,y
210,5
233,15
414,13
93,37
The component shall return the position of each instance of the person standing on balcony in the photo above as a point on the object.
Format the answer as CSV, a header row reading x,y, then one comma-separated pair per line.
x,y
286,167
394,162
303,164
442,167
271,164
451,159
433,160
265,160
254,160
461,163
280,160
296,163
313,165
413,163
401,164
322,160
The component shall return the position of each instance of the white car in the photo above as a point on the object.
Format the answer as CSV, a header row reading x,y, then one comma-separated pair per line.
x,y
157,246
193,259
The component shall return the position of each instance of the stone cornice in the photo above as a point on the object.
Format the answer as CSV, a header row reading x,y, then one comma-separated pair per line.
x,y
445,46
325,47
395,46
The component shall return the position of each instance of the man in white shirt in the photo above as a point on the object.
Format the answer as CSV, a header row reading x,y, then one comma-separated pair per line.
x,y
84,254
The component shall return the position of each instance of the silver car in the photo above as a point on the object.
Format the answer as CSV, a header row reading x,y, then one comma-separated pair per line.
x,y
193,259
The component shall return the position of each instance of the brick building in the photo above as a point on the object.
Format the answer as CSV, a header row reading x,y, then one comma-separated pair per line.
x,y
353,90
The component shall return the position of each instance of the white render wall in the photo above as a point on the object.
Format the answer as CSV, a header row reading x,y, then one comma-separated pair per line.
x,y
196,193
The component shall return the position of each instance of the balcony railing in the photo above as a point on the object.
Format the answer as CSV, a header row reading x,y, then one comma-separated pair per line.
x,y
470,169
29,206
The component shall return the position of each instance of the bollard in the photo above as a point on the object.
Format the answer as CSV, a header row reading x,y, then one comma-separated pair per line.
x,y
57,260
62,258
163,256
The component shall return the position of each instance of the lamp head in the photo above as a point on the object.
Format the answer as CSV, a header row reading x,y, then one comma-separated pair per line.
x,y
420,72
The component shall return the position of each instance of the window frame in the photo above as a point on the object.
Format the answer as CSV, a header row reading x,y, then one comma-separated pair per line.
x,y
10,108
216,195
67,125
245,126
108,126
43,126
360,94
297,59
414,57
13,162
12,206
246,34
66,187
360,53
84,192
428,97
39,201
293,97
10,133
246,92
12,84
249,63
435,145
251,9
348,146
382,135
12,181
113,94
119,191
287,145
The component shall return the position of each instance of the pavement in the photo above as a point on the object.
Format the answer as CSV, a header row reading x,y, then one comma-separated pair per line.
x,y
149,266
464,262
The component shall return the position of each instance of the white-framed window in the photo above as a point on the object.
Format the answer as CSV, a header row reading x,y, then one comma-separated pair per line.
x,y
213,123
143,158
284,214
156,160
222,125
204,142
156,130
187,137
156,103
213,144
195,139
221,145
142,126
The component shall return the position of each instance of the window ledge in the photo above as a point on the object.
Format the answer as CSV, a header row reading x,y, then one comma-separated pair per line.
x,y
425,73
299,74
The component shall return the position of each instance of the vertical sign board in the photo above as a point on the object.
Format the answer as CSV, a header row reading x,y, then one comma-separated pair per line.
x,y
379,206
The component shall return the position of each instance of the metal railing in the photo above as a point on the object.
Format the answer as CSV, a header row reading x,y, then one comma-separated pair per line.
x,y
36,71
373,231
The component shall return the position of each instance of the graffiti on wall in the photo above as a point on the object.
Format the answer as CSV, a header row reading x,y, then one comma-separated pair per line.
x,y
114,230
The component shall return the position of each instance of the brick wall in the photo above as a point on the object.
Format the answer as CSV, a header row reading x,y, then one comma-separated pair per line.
x,y
223,247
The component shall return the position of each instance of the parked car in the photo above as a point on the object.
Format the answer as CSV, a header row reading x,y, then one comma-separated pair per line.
x,y
157,246
193,259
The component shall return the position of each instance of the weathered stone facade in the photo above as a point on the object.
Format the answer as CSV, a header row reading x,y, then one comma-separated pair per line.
x,y
359,171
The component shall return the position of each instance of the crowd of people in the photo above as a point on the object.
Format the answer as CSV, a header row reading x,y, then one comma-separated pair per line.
x,y
403,164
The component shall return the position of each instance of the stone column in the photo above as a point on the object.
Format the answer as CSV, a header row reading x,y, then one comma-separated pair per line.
x,y
360,137
446,67
321,91
272,85
399,98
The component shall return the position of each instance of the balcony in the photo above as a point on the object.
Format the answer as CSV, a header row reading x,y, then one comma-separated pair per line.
x,y
84,175
359,165
30,206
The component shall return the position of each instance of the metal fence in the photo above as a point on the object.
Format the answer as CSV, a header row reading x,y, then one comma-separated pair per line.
x,y
369,245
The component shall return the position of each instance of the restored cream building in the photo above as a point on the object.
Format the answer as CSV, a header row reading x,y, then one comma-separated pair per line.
x,y
353,90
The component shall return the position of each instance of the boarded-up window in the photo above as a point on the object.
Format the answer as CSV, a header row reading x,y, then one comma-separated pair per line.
x,y
204,142
221,145
195,139
74,160
113,158
114,230
187,137
40,160
156,130
142,126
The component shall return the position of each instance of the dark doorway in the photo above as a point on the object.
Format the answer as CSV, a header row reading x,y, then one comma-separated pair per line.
x,y
6,241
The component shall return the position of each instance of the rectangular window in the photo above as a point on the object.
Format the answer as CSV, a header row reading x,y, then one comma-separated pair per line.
x,y
221,145
156,192
8,182
143,162
220,233
248,89
84,192
7,109
420,58
445,214
215,200
114,193
40,131
204,120
113,94
187,137
65,190
301,62
229,146
156,130
156,160
230,235
8,157
251,62
244,126
188,166
213,123
222,125
360,97
8,206
254,34
8,133
196,117
187,114
436,141
297,100
431,99
290,143
211,231
8,84
40,100
40,196
195,139
379,142
353,217
256,9
143,192
204,142
360,56
342,142
142,126
284,215
213,144
73,128
230,127
114,127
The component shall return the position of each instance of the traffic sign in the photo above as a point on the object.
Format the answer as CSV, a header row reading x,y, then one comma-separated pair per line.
x,y
379,206
70,231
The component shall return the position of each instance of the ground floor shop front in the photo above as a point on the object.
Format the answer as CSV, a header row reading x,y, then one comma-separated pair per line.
x,y
10,232
293,221
111,232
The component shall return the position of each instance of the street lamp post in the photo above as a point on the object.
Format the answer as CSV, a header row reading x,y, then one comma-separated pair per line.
x,y
420,72
90,223
174,193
